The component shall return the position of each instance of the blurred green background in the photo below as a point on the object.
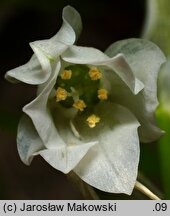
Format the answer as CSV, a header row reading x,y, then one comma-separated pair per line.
x,y
23,21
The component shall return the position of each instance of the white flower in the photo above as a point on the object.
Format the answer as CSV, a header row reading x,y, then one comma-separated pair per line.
x,y
89,106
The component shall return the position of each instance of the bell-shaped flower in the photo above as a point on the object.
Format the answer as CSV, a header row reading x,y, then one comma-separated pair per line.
x,y
92,108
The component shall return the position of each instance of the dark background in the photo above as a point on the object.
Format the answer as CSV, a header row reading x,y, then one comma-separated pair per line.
x,y
23,21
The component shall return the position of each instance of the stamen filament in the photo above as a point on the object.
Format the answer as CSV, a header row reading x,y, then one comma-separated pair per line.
x,y
74,130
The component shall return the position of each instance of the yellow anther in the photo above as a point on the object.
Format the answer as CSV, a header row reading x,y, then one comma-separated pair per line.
x,y
93,120
102,94
94,73
79,104
66,74
61,94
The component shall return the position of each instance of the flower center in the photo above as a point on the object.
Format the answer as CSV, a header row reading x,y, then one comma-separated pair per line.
x,y
79,86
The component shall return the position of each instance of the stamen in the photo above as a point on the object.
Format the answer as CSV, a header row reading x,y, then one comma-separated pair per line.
x,y
95,74
61,94
66,74
92,120
74,130
79,104
102,94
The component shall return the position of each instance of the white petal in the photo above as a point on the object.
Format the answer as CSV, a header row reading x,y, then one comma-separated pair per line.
x,y
66,36
111,165
72,26
145,59
123,70
84,55
118,64
43,60
28,140
30,73
63,153
65,158
38,111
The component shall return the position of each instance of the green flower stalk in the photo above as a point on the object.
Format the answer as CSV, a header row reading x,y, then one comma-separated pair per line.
x,y
92,108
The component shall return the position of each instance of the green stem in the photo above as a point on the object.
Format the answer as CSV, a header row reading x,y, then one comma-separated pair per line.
x,y
157,29
163,118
